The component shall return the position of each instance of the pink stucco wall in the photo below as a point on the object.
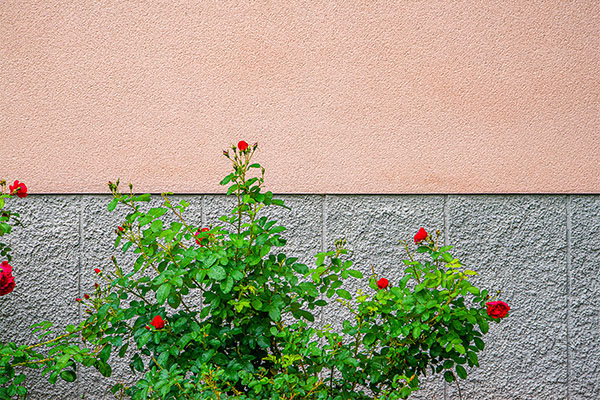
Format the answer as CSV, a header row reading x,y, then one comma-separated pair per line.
x,y
344,97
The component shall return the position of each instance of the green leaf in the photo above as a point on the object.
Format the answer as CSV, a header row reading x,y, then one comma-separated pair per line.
x,y
461,372
416,331
68,375
217,273
163,292
479,343
344,294
104,368
275,314
355,274
112,204
460,348
369,339
448,376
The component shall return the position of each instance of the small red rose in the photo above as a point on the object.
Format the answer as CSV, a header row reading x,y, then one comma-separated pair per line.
x,y
96,285
242,146
158,322
86,296
497,309
18,188
78,300
147,327
420,236
97,270
7,281
121,229
202,240
382,283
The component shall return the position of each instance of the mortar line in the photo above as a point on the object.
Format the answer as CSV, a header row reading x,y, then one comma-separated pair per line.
x,y
569,249
80,266
324,223
202,206
446,241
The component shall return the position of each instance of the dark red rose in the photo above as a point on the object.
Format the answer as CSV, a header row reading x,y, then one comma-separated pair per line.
x,y
242,146
497,309
158,322
86,296
7,281
97,270
202,240
382,283
96,285
420,236
18,188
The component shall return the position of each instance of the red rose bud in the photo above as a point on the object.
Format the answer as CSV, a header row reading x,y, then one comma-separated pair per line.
x,y
78,300
7,281
339,344
96,285
420,236
242,146
86,296
158,322
97,270
497,309
121,229
202,240
147,327
382,283
18,188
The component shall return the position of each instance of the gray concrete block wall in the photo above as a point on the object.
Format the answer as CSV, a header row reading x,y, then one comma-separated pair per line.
x,y
542,251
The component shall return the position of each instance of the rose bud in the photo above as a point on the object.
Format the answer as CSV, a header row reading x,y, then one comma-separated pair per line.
x,y
86,296
420,236
382,283
497,309
96,285
242,146
78,300
19,189
158,322
97,270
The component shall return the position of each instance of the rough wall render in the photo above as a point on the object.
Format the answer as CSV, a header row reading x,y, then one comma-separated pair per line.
x,y
540,250
343,96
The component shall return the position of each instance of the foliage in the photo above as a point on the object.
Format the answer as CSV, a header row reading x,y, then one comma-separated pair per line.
x,y
221,312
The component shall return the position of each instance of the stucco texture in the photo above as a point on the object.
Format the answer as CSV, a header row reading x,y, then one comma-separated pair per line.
x,y
343,97
541,251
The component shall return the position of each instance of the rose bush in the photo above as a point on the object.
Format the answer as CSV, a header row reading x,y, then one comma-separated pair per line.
x,y
221,312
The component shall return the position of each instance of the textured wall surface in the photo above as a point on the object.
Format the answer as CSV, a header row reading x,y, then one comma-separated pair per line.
x,y
343,96
542,251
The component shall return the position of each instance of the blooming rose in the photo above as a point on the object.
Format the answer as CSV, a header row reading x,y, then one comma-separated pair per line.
x,y
242,145
420,236
202,239
382,283
497,309
7,281
158,322
18,188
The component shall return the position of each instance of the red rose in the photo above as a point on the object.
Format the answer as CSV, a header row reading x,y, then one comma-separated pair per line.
x,y
158,322
382,283
121,229
7,281
420,236
242,146
86,296
497,309
97,270
96,285
78,300
18,188
202,240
